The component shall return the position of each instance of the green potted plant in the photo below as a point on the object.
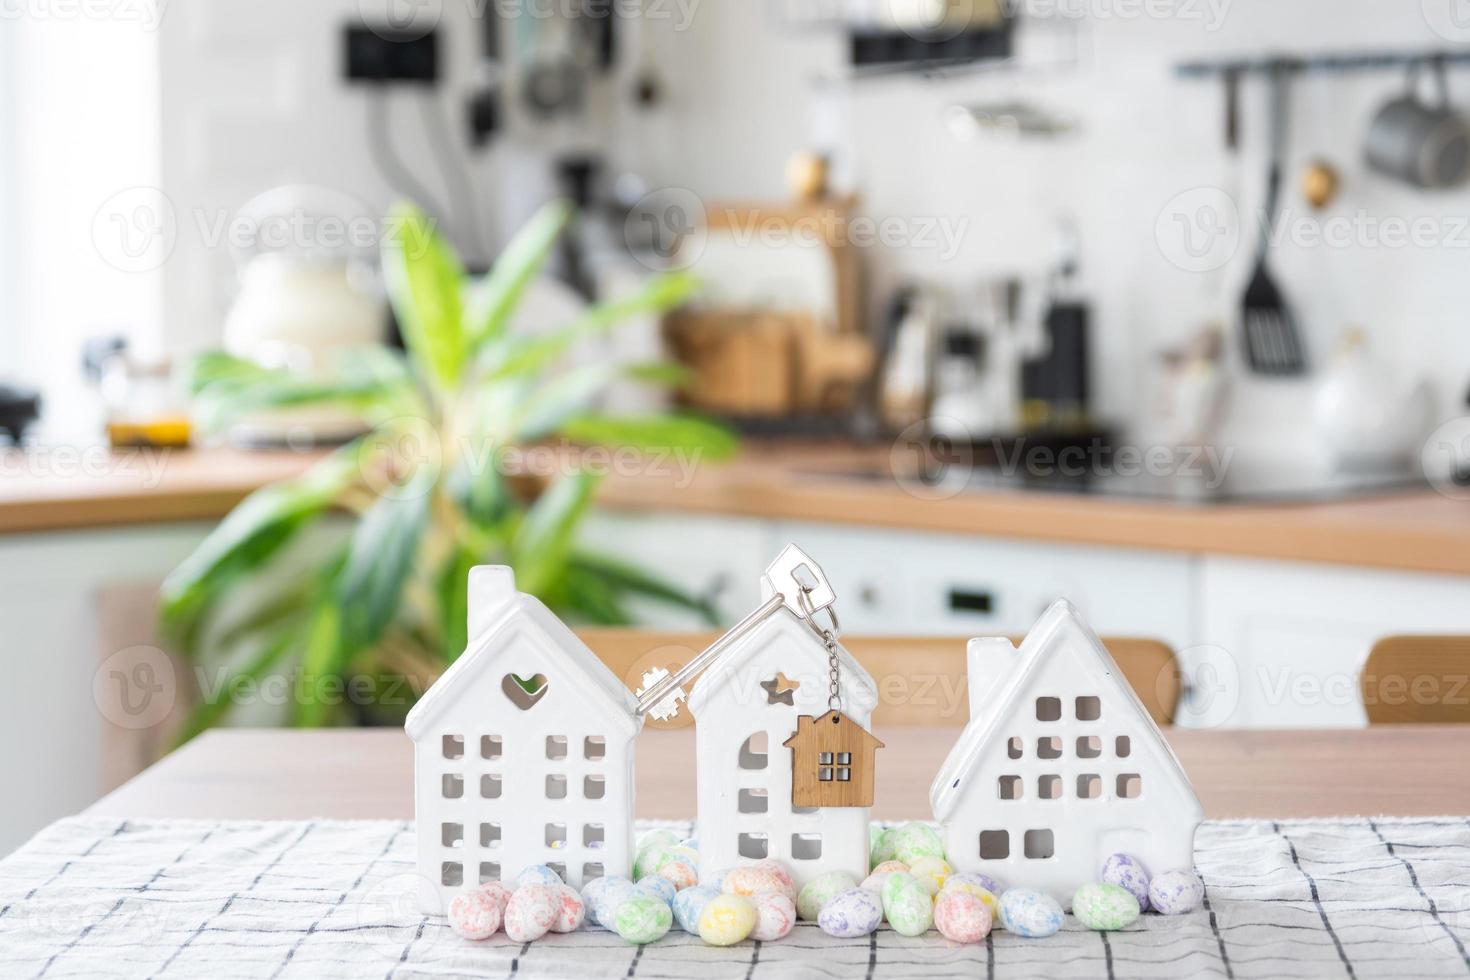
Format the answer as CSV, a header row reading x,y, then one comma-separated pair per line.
x,y
351,579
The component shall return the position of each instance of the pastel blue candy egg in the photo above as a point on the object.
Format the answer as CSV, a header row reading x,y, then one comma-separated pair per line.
x,y
1029,913
1127,872
538,874
688,905
690,842
613,894
660,888
852,914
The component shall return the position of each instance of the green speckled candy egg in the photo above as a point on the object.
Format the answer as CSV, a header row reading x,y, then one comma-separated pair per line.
x,y
1104,907
882,846
821,890
915,840
642,919
906,905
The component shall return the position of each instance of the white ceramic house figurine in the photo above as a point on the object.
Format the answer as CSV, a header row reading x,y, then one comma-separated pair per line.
x,y
1060,766
523,752
747,708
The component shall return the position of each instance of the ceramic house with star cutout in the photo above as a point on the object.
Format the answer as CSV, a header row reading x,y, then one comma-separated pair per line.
x,y
523,753
749,708
1060,766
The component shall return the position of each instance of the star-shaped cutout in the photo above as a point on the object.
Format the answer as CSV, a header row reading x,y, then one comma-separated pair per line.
x,y
780,690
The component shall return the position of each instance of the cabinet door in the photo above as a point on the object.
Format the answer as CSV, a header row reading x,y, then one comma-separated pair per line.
x,y
905,582
717,557
1285,641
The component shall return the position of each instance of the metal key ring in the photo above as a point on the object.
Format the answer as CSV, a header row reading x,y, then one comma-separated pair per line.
x,y
809,613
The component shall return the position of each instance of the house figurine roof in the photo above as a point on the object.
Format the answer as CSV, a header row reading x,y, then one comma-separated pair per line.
x,y
1000,674
500,615
847,727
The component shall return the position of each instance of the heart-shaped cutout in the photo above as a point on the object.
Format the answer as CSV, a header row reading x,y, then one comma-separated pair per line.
x,y
525,692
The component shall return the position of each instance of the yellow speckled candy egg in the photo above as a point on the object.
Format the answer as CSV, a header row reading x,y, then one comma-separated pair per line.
x,y
726,920
973,885
931,873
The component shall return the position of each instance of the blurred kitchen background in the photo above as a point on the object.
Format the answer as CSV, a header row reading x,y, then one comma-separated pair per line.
x,y
976,284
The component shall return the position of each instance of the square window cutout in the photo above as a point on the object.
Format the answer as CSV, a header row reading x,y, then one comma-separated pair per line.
x,y
1088,747
451,834
844,758
844,774
593,835
490,787
1130,786
559,868
1049,747
453,786
753,751
556,835
824,758
824,775
454,747
491,747
1089,708
1040,844
1089,786
489,835
806,847
1014,747
594,748
1123,746
995,845
753,801
556,787
451,874
1049,787
556,747
594,787
1011,787
489,871
1048,709
755,846
592,870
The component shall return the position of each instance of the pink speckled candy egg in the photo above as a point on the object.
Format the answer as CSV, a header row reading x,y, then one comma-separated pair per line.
x,y
474,915
752,880
962,917
680,874
497,893
779,870
775,916
570,909
531,912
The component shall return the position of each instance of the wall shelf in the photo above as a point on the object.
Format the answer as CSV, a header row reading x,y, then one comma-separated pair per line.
x,y
1324,63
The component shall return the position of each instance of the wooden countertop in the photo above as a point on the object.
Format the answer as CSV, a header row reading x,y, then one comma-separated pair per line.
x,y
1413,530
356,774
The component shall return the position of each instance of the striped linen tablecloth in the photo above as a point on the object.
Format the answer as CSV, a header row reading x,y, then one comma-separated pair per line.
x,y
91,898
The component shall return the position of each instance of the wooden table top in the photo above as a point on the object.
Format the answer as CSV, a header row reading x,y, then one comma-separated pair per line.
x,y
357,774
1411,530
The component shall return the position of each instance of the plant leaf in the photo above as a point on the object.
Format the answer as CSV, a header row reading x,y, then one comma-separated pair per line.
x,y
623,577
544,539
211,712
321,660
685,434
424,279
494,298
225,388
454,606
591,598
379,559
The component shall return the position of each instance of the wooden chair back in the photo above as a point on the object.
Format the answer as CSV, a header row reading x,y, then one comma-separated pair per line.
x,y
1417,680
922,681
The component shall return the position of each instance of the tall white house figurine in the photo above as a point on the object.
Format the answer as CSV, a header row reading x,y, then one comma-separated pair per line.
x,y
523,752
785,760
1060,766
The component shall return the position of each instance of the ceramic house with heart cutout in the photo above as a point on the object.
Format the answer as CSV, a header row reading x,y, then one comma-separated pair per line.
x,y
523,752
748,708
1060,766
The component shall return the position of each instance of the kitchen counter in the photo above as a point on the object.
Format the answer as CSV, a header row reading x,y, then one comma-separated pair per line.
x,y
1416,530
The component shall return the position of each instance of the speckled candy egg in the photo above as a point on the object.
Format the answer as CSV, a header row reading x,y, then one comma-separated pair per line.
x,y
1030,913
775,916
537,874
980,886
656,838
973,878
531,912
650,859
821,890
1104,907
881,849
753,879
726,920
570,909
779,870
962,917
906,905
874,881
854,913
1176,892
680,874
688,905
474,915
607,899
690,842
715,879
1126,871
915,840
497,893
658,887
642,919
931,873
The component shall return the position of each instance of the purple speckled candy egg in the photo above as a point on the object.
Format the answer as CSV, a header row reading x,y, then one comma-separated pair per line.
x,y
1126,871
851,915
975,879
1176,892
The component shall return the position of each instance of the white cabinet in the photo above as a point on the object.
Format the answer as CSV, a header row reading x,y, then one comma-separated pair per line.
x,y
1285,641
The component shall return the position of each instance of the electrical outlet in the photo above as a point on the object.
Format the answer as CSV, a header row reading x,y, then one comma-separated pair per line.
x,y
380,55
